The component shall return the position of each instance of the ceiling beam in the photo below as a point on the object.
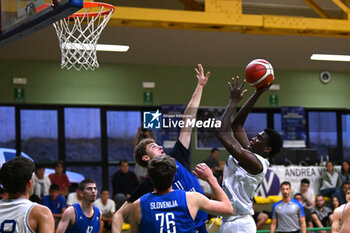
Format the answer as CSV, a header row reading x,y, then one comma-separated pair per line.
x,y
224,15
315,7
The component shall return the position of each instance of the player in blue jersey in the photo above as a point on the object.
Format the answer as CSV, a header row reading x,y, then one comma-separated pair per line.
x,y
169,210
184,179
82,217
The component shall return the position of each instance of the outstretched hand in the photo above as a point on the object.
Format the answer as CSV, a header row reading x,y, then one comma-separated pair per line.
x,y
202,171
202,80
236,93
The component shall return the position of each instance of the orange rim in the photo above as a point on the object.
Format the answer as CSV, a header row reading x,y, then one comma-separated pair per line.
x,y
109,8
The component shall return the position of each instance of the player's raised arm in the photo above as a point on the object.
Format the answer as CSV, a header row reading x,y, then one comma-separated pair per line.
x,y
192,107
246,158
223,205
118,217
135,216
240,118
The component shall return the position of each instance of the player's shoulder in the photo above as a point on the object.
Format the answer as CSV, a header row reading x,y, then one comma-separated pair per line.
x,y
40,211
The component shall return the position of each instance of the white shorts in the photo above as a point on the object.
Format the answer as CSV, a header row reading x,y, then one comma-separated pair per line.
x,y
244,224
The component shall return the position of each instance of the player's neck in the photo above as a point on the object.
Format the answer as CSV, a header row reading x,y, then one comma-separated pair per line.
x,y
287,199
18,196
170,189
86,206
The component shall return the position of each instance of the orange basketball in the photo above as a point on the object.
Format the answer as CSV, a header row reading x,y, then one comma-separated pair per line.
x,y
259,73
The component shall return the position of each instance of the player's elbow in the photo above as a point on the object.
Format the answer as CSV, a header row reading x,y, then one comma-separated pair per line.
x,y
228,210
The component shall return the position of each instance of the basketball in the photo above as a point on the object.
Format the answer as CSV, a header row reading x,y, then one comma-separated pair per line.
x,y
259,73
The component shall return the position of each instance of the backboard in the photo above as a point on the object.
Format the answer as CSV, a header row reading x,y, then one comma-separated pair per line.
x,y
20,18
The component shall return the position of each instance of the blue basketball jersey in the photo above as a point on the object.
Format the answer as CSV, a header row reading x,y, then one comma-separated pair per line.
x,y
84,224
185,180
166,213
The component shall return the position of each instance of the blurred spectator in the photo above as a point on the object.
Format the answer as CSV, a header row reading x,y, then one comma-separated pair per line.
x,y
107,207
213,162
340,193
260,218
41,182
329,180
55,202
124,183
141,134
287,214
74,197
335,203
307,211
307,193
60,178
320,213
344,175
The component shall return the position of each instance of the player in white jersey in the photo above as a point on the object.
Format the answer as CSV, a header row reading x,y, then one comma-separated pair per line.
x,y
18,214
341,222
247,165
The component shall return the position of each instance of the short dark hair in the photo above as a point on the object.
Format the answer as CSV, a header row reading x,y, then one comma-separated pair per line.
x,y
59,162
305,181
345,183
140,150
274,141
16,173
104,189
38,166
54,187
330,162
214,149
286,183
85,182
123,161
298,194
161,171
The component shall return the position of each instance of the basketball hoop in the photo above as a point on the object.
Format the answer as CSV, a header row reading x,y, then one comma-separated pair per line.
x,y
78,35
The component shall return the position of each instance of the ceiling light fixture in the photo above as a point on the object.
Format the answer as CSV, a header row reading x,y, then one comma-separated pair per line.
x,y
330,57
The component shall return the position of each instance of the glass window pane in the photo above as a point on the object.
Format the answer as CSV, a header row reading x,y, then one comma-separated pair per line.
x,y
277,124
255,123
83,134
346,136
39,134
122,127
89,172
322,131
8,127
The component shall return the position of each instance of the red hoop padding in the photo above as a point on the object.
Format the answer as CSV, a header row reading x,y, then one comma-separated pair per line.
x,y
92,5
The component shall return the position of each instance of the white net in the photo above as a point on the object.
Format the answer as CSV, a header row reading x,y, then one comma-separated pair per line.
x,y
78,35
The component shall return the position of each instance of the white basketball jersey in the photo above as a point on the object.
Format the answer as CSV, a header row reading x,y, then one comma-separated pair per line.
x,y
14,215
240,186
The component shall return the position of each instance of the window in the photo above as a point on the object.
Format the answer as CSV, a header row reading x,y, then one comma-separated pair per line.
x,y
39,134
122,127
89,172
346,136
255,123
277,121
8,127
83,134
322,131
